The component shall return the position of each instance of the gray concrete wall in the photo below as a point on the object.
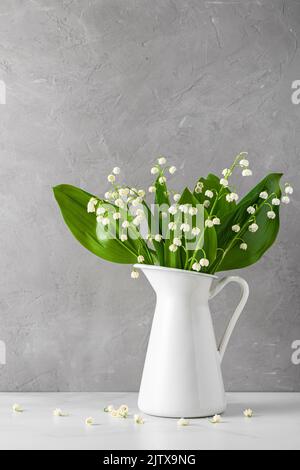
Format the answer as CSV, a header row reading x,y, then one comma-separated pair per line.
x,y
96,83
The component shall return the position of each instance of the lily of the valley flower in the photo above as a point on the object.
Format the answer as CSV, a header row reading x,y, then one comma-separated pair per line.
x,y
162,161
91,208
138,419
204,262
117,216
289,189
193,211
152,189
209,223
244,163
216,221
59,413
125,224
172,226
120,203
172,170
100,211
224,182
247,172
264,195
251,210
141,259
196,267
209,194
248,413
236,228
173,248
185,228
162,180
206,204
135,274
123,238
184,208
285,200
253,228
17,408
196,231
199,188
154,170
177,197
232,197
183,422
158,238
173,210
111,178
108,409
90,421
177,242
116,170
271,215
216,419
276,202
244,246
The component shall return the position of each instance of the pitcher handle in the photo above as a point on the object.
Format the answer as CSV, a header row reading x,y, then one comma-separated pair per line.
x,y
232,324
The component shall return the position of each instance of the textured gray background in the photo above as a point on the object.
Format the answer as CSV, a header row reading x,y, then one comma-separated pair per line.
x,y
98,83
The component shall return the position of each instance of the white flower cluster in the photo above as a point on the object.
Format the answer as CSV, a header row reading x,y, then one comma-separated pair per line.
x,y
121,412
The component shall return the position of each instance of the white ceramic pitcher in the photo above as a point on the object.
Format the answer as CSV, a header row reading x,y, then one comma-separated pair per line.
x,y
182,374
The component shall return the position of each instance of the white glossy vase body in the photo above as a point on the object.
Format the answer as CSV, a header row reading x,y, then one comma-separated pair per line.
x,y
182,374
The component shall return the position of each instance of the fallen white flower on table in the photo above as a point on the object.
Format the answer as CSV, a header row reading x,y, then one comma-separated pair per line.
x,y
248,413
17,408
138,419
216,419
108,409
59,413
183,422
90,421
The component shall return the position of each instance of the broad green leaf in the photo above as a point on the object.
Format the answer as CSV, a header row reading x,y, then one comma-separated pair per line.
x,y
94,237
259,242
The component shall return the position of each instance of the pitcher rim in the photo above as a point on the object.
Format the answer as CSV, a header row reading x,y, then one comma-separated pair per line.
x,y
181,271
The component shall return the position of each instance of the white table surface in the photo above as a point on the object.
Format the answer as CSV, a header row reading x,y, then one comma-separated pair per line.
x,y
276,424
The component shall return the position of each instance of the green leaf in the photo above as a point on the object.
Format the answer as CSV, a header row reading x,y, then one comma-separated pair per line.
x,y
259,242
94,237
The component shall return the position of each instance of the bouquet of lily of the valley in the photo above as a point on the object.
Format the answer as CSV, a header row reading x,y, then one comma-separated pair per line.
x,y
207,229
